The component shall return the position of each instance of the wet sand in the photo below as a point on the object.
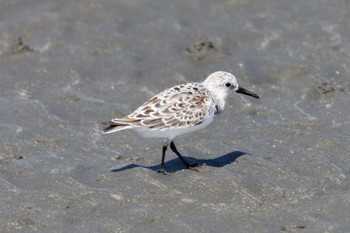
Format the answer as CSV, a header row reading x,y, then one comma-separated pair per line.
x,y
279,164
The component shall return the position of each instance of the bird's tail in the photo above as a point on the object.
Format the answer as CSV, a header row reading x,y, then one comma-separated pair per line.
x,y
115,128
117,125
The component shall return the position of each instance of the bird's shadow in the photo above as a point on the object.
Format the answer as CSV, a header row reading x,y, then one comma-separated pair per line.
x,y
176,164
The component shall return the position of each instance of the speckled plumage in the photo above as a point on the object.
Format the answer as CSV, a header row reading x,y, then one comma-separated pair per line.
x,y
180,109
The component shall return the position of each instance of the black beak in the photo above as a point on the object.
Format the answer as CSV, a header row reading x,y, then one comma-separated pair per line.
x,y
244,91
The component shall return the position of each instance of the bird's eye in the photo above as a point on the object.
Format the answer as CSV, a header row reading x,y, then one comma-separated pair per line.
x,y
228,84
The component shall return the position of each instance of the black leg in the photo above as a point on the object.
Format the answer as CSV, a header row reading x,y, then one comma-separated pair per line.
x,y
188,165
161,170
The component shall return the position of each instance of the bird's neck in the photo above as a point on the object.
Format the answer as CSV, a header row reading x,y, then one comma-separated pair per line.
x,y
219,108
219,102
219,97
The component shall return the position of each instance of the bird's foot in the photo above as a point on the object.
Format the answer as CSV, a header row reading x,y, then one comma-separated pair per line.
x,y
193,167
162,171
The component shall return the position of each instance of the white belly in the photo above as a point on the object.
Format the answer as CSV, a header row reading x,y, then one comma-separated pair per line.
x,y
172,133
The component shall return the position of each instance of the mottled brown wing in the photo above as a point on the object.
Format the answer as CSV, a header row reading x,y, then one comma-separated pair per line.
x,y
171,109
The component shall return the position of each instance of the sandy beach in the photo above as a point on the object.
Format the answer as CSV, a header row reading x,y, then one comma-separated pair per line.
x,y
278,164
